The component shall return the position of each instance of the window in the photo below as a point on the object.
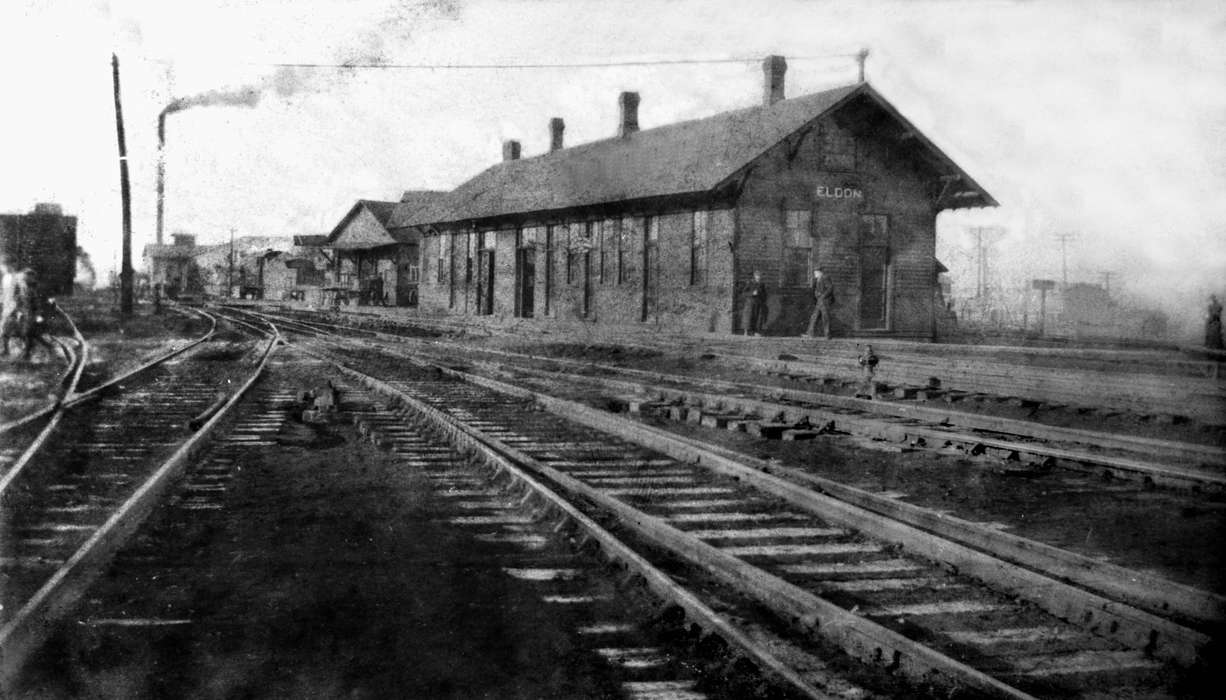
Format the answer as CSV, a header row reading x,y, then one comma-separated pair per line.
x,y
600,240
610,251
414,275
580,245
698,248
486,240
469,240
444,246
527,237
571,241
624,231
838,148
550,244
797,245
651,224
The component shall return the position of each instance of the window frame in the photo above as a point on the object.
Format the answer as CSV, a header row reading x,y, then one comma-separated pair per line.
x,y
699,246
797,246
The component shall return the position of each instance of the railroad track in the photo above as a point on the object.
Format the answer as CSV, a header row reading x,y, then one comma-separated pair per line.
x,y
1143,383
65,383
1144,460
99,464
903,600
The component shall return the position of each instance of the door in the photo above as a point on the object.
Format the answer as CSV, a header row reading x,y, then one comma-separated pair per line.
x,y
525,282
587,283
485,282
549,265
874,273
407,273
651,267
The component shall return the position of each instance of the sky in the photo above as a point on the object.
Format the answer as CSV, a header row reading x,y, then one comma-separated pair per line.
x,y
1102,120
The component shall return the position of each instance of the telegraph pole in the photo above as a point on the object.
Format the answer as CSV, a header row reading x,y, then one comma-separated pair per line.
x,y
1064,238
230,275
125,269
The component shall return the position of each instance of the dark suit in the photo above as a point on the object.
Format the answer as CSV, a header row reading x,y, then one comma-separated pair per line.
x,y
823,299
755,307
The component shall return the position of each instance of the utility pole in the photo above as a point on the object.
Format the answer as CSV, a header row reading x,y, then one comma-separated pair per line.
x,y
1064,238
230,275
125,270
1107,275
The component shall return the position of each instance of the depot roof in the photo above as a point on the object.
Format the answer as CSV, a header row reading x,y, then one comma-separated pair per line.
x,y
686,157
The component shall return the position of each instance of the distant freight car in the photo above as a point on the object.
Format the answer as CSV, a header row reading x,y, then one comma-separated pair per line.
x,y
44,240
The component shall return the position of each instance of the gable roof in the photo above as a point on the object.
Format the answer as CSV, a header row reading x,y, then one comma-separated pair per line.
x,y
685,157
381,211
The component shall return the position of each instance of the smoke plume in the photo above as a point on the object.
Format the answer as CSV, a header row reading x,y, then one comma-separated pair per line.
x,y
243,97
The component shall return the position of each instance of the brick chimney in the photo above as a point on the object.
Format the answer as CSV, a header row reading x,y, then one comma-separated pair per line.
x,y
773,69
629,102
556,127
510,150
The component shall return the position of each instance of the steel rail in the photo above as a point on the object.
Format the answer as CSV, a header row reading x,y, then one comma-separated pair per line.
x,y
1119,466
1125,623
71,400
36,619
1165,475
1150,592
1029,429
660,583
809,613
95,391
71,375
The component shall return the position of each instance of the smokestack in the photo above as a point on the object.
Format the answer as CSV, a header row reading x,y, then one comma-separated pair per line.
x,y
510,150
556,127
629,102
161,173
242,97
773,69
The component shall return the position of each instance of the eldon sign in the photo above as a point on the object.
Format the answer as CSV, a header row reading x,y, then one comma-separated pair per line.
x,y
842,192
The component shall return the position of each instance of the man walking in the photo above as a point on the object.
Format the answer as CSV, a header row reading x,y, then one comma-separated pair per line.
x,y
33,305
755,305
823,298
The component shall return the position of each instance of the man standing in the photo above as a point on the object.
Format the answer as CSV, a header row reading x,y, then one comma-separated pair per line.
x,y
1213,325
868,367
823,298
9,317
755,305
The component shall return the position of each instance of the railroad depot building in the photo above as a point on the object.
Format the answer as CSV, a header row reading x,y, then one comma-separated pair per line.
x,y
376,265
666,226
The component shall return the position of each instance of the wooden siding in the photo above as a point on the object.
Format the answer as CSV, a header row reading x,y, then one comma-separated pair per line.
x,y
615,299
788,178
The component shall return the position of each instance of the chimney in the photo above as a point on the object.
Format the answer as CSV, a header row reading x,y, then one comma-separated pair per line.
x,y
510,150
556,127
773,69
629,102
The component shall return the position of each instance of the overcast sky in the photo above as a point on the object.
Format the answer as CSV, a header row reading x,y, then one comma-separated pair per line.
x,y
1102,119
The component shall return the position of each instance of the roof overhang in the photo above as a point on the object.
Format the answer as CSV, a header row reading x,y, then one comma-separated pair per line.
x,y
958,189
